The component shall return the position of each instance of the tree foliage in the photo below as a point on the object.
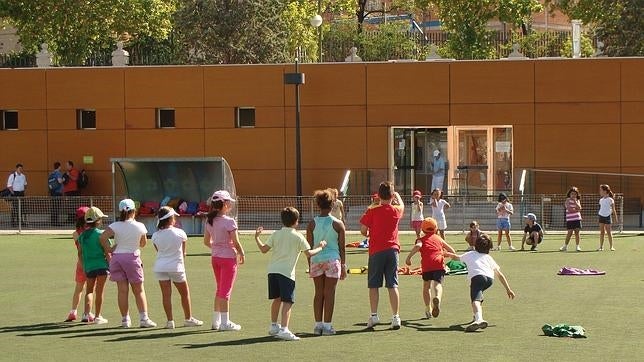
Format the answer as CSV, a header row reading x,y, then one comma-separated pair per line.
x,y
74,29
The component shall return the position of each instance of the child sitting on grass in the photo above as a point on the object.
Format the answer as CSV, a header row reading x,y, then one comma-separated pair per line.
x,y
481,270
287,244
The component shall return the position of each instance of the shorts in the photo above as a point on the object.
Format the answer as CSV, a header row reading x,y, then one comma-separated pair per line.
x,y
435,275
281,287
478,284
95,273
530,240
225,270
573,225
605,219
503,224
383,264
175,277
126,267
80,274
329,268
415,224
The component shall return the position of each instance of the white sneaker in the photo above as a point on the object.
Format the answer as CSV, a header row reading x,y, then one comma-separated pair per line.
x,y
395,322
612,249
147,323
600,249
428,314
373,321
564,248
100,320
230,326
126,323
169,325
498,248
192,322
578,248
317,329
328,331
512,248
476,325
287,335
274,329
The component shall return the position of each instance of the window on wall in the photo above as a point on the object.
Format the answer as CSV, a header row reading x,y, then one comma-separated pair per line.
x,y
86,118
9,120
165,118
245,117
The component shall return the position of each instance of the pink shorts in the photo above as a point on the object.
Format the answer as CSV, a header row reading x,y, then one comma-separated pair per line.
x,y
126,267
416,224
329,268
225,270
80,274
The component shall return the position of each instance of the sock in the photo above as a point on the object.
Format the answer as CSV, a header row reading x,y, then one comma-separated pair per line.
x,y
224,317
326,325
125,318
319,324
143,316
374,314
216,318
478,316
73,311
396,316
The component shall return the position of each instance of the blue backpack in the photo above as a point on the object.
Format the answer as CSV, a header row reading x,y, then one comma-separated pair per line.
x,y
52,181
193,207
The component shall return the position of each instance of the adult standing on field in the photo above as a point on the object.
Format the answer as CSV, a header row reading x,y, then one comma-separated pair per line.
x,y
16,186
438,171
55,185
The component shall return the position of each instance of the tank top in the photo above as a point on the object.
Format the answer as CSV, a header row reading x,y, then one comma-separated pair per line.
x,y
416,213
571,212
324,231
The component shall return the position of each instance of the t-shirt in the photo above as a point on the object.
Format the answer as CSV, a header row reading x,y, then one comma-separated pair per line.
x,y
72,183
572,214
417,212
92,253
605,206
530,229
438,211
431,252
324,231
382,221
17,181
286,245
479,264
336,209
169,244
222,243
504,213
127,236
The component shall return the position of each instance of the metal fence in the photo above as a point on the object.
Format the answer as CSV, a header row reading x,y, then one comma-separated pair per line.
x,y
57,213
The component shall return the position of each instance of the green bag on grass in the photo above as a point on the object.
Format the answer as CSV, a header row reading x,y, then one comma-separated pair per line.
x,y
564,330
456,267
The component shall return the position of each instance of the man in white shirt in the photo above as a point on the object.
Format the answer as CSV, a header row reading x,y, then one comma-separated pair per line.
x,y
16,184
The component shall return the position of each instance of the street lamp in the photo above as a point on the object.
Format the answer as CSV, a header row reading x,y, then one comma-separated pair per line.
x,y
316,22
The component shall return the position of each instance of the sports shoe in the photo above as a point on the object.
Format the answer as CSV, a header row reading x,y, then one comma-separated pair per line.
x,y
328,331
436,307
512,248
88,318
600,249
126,323
287,335
612,249
318,329
578,248
498,248
274,329
533,248
169,325
428,314
395,322
476,325
192,322
564,248
71,317
147,323
373,321
230,326
100,320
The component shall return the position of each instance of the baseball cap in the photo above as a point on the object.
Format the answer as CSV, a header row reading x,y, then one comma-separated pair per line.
x,y
126,205
429,225
80,212
436,153
531,216
222,195
94,214
417,193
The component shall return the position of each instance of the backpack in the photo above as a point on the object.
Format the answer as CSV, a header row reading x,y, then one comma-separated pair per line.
x,y
52,181
65,178
193,207
83,180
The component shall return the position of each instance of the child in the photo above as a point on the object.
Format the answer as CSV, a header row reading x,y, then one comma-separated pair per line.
x,y
80,274
220,235
126,267
96,259
481,270
380,224
573,217
287,243
606,211
504,210
327,267
375,201
438,210
532,233
431,247
417,213
472,235
337,209
170,243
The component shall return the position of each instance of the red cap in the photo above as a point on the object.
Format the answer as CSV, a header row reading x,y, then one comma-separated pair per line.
x,y
80,212
417,193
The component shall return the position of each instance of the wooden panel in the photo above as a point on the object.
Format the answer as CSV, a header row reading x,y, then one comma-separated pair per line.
x,y
377,147
326,148
408,115
30,120
577,80
577,113
492,82
85,88
632,147
260,182
492,114
165,143
633,112
559,146
330,84
140,118
100,144
632,79
408,83
110,118
26,147
189,118
220,117
524,147
236,86
328,116
247,148
164,87
22,89
58,119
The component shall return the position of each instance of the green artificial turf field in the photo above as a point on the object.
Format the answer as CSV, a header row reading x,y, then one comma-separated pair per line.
x,y
37,283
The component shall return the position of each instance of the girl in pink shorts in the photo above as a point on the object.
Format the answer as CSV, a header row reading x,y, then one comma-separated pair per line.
x,y
220,235
80,277
327,266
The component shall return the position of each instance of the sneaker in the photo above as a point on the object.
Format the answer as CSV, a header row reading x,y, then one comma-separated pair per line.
x,y
169,325
564,248
100,320
318,329
373,321
328,331
498,248
287,335
395,323
71,317
476,325
512,248
533,248
126,323
428,314
436,307
88,318
230,326
274,329
578,248
147,323
192,322
214,326
612,249
600,249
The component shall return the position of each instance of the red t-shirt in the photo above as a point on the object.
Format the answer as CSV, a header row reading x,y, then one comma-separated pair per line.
x,y
431,253
72,184
382,222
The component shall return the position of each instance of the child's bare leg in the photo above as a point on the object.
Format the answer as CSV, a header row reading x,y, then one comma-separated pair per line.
x,y
123,290
477,310
166,297
577,236
275,309
89,294
184,292
442,234
394,300
286,314
427,298
78,293
498,242
569,235
609,233
329,298
100,287
437,289
601,235
318,298
374,296
139,297
417,230
508,238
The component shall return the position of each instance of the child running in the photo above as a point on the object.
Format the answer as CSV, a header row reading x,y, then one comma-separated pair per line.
x,y
170,243
126,267
532,233
220,235
472,235
287,244
417,213
504,210
96,258
80,277
606,212
573,217
337,209
431,247
328,266
481,270
438,211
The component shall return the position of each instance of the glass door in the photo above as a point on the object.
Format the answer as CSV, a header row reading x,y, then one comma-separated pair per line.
x,y
403,160
502,159
472,160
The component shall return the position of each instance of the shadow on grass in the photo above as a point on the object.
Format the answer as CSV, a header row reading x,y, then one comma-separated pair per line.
x,y
38,327
85,331
164,334
421,327
236,342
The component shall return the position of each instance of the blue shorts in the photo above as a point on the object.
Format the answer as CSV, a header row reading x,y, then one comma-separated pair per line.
x,y
478,284
503,224
281,287
383,264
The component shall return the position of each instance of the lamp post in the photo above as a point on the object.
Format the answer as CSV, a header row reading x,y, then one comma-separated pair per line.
x,y
316,22
297,79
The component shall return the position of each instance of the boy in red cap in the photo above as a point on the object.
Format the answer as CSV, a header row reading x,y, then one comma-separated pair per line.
x,y
431,247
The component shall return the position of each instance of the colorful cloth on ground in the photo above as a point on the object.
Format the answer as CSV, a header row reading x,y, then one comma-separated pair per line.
x,y
564,330
577,271
455,267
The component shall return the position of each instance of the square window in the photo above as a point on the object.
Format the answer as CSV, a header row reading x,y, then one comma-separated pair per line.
x,y
86,118
245,117
10,120
165,118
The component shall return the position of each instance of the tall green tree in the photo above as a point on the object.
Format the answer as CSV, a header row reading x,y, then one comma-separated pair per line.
x,y
73,29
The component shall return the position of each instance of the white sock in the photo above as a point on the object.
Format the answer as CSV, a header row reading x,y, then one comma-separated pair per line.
x,y
374,314
396,316
143,316
319,324
478,316
327,325
216,318
224,317
125,318
73,311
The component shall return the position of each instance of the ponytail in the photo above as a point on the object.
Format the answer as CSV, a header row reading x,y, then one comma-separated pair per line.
x,y
215,208
607,189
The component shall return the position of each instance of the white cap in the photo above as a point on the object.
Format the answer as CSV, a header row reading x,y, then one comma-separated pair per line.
x,y
436,153
126,205
222,195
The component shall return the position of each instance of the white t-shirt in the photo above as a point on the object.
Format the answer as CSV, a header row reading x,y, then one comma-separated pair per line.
x,y
606,206
17,181
127,235
169,244
416,212
286,245
479,264
438,211
504,214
